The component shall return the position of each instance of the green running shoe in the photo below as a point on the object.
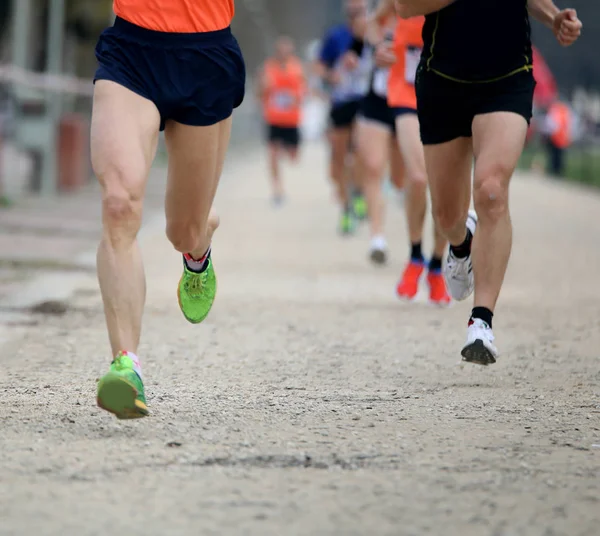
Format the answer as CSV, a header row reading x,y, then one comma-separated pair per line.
x,y
121,391
359,205
347,223
196,293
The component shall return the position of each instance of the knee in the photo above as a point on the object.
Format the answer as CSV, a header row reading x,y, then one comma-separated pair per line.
x,y
417,181
185,235
372,170
490,193
121,209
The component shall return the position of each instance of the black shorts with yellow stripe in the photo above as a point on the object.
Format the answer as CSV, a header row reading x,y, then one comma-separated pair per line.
x,y
447,107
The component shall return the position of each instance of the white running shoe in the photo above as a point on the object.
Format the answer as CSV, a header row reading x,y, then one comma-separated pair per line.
x,y
480,347
378,250
459,272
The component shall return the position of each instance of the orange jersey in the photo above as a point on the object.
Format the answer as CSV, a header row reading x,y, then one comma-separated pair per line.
x,y
177,16
284,90
560,115
408,43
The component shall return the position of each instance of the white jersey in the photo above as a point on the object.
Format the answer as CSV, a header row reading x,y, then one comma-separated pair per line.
x,y
354,84
381,75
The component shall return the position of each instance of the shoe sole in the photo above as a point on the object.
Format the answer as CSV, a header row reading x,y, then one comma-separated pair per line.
x,y
440,304
478,354
119,397
432,303
406,299
378,257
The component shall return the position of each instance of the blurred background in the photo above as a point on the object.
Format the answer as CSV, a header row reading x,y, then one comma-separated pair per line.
x,y
47,62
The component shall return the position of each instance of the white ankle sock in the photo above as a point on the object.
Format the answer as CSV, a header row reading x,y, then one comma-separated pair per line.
x,y
196,265
137,365
379,242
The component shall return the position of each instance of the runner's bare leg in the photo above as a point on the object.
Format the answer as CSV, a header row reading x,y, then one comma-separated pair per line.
x,y
124,138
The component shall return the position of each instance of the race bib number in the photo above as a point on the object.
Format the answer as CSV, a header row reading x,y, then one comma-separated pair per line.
x,y
380,82
283,100
412,59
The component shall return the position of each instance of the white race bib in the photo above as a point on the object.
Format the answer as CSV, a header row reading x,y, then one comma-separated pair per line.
x,y
380,82
412,59
282,100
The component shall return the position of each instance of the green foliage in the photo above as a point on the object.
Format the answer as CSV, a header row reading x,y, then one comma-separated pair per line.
x,y
582,163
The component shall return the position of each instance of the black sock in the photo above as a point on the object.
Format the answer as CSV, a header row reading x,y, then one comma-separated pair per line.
x,y
435,264
416,254
463,250
483,313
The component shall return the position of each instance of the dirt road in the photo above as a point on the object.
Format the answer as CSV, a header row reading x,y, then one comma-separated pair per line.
x,y
312,402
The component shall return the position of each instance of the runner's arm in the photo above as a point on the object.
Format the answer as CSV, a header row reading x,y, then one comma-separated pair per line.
x,y
412,8
565,24
384,10
543,11
328,55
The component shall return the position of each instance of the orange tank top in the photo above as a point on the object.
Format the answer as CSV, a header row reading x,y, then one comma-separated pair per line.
x,y
284,92
177,16
408,43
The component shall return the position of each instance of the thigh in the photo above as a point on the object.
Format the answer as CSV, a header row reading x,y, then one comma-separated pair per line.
x,y
500,126
372,145
445,108
340,140
498,140
124,136
409,143
196,159
396,165
449,167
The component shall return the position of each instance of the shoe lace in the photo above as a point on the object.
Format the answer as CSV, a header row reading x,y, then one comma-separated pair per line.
x,y
195,284
482,327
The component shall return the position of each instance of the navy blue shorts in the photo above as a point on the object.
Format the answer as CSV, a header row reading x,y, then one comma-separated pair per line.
x,y
403,110
342,114
375,108
193,78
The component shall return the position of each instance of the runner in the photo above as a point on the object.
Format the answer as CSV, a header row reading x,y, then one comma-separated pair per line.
x,y
475,90
168,65
376,145
403,101
348,81
282,89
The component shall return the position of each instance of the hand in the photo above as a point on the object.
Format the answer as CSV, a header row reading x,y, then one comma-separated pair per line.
x,y
402,9
384,55
566,27
334,78
350,61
